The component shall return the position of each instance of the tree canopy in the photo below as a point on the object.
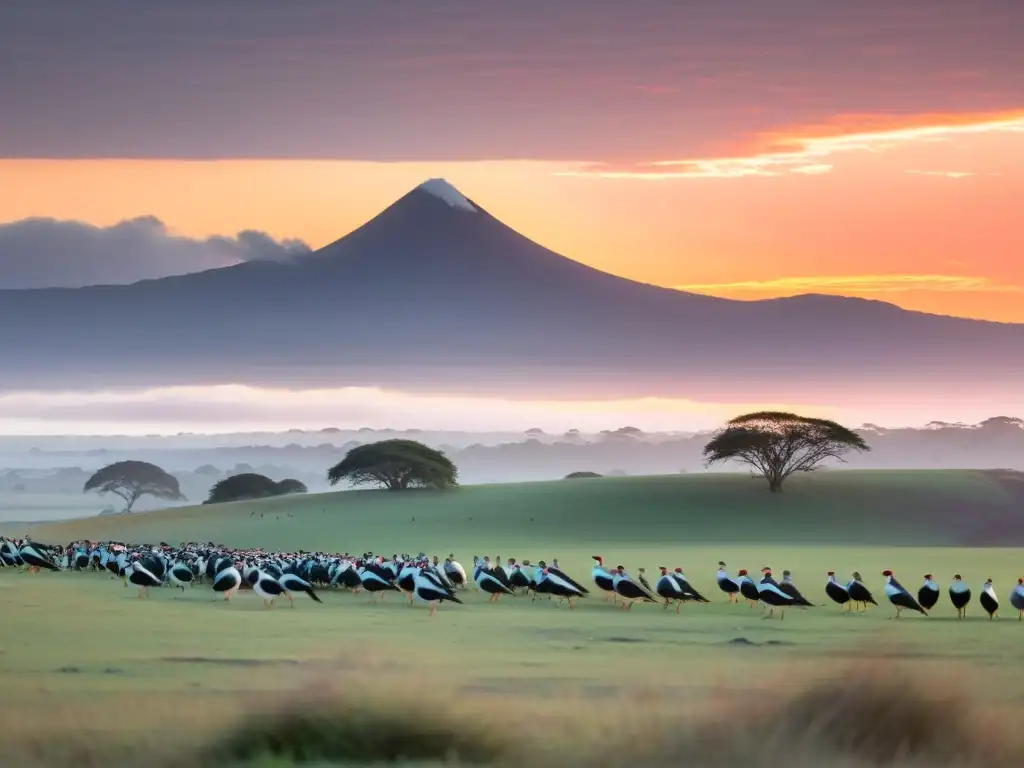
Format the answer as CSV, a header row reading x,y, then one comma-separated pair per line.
x,y
251,485
132,480
777,444
396,465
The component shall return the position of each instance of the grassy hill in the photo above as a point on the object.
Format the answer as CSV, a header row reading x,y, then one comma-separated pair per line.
x,y
203,664
920,508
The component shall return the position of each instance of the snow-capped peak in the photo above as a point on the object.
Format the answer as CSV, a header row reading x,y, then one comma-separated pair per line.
x,y
442,189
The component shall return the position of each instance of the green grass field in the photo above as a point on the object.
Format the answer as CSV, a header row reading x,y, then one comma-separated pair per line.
x,y
112,666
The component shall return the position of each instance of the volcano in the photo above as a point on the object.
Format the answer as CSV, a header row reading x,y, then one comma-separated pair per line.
x,y
435,293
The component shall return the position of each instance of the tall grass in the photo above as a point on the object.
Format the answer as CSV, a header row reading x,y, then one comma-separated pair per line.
x,y
867,714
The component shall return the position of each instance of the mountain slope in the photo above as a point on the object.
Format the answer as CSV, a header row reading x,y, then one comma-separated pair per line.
x,y
435,294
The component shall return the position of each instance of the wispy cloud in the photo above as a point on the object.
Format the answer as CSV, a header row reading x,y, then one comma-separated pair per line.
x,y
856,284
805,151
812,170
945,174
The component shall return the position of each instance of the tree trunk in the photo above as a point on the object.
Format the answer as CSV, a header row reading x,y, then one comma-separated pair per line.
x,y
774,485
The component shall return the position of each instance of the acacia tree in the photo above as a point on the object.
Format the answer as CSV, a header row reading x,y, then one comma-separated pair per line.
x,y
396,465
291,485
777,444
251,485
132,480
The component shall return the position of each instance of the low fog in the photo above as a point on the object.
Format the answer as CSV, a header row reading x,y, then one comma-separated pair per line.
x,y
41,477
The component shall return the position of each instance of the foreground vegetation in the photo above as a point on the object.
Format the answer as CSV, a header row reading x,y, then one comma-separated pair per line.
x,y
182,680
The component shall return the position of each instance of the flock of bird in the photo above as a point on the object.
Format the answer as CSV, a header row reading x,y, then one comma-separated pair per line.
x,y
429,581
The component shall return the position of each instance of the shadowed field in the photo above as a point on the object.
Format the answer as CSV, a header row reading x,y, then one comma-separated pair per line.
x,y
879,508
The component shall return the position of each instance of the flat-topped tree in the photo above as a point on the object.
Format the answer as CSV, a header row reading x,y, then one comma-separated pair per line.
x,y
777,444
251,485
395,465
132,480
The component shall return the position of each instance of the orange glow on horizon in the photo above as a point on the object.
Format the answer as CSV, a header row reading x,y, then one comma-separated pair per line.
x,y
917,210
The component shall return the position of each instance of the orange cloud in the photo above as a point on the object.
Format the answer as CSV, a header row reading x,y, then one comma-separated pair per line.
x,y
805,151
856,284
945,174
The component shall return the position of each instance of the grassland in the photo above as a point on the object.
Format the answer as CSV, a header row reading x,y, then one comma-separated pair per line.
x,y
538,681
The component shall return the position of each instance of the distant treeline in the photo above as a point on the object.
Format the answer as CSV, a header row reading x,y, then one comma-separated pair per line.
x,y
995,443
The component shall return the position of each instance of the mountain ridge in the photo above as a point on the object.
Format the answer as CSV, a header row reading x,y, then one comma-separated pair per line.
x,y
432,294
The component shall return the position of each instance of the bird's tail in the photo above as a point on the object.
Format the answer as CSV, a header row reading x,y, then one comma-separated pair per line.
x,y
313,595
454,599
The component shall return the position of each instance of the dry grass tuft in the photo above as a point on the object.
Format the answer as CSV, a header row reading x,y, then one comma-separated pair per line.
x,y
869,715
360,727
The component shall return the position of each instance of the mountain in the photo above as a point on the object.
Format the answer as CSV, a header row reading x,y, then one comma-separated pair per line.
x,y
435,293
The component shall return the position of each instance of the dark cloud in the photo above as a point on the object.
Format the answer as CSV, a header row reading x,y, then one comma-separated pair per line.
x,y
457,79
42,253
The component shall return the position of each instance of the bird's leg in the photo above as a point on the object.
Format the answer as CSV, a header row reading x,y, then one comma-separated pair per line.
x,y
291,600
679,604
571,606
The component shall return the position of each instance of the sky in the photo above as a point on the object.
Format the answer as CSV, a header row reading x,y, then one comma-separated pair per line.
x,y
741,149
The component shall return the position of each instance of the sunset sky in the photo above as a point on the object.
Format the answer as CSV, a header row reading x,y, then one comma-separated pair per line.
x,y
746,149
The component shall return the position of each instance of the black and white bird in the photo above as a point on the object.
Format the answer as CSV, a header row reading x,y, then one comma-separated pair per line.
x,y
668,589
36,557
988,599
429,589
264,585
375,580
629,590
227,578
689,593
837,592
487,581
406,580
518,577
900,597
959,595
10,554
772,596
551,583
1017,599
747,587
291,583
455,572
789,588
557,572
140,576
928,594
180,575
602,578
726,583
859,594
